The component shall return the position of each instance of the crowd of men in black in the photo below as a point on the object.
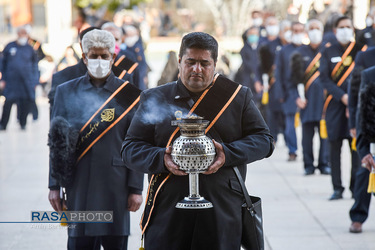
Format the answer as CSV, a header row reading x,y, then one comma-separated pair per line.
x,y
311,74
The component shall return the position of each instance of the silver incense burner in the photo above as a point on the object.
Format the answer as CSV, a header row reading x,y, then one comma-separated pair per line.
x,y
193,152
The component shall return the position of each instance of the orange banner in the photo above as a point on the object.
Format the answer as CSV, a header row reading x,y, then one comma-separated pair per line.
x,y
21,12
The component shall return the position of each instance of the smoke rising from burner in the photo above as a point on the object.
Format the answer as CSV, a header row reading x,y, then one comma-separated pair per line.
x,y
157,109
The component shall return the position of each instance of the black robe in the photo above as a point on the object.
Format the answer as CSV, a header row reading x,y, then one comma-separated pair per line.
x,y
102,181
245,138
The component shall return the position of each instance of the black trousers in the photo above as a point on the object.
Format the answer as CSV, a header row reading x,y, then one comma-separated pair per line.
x,y
308,132
193,229
23,108
360,208
34,111
276,123
94,242
335,160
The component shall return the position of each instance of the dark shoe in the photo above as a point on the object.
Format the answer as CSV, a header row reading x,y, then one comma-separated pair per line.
x,y
325,170
356,227
337,194
292,157
309,171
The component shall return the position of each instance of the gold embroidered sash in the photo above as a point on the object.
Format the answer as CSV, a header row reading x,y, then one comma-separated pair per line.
x,y
106,117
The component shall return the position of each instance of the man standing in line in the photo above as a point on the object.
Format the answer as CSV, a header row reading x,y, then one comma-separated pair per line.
x,y
240,137
249,72
20,75
310,101
100,106
267,56
360,210
284,88
361,77
335,67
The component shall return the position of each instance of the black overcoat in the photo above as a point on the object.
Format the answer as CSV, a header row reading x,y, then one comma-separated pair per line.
x,y
363,143
102,182
245,138
337,122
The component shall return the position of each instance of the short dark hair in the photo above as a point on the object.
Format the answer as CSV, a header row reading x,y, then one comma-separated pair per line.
x,y
199,40
338,20
82,13
294,23
83,32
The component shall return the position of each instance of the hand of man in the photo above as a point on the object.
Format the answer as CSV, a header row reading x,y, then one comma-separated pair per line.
x,y
134,202
368,162
353,132
258,86
2,84
219,159
344,99
169,164
300,103
55,200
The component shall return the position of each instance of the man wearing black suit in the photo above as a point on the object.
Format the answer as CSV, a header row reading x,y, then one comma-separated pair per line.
x,y
359,211
244,138
363,60
101,181
335,68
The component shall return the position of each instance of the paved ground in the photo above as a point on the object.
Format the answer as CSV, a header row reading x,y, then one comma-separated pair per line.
x,y
297,214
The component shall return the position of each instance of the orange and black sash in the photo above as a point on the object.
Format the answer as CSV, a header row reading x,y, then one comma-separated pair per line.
x,y
116,107
34,43
312,71
211,105
271,75
122,66
342,69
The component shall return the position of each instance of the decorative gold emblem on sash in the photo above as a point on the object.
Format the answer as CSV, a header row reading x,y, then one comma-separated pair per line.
x,y
107,115
347,61
178,114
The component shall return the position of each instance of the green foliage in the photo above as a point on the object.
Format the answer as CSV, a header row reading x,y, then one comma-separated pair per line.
x,y
112,5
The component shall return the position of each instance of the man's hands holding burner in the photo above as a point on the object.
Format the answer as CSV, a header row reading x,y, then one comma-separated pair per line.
x,y
215,166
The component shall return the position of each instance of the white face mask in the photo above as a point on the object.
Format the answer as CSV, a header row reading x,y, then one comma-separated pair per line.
x,y
316,36
272,30
369,21
288,36
98,68
344,35
257,21
297,38
130,41
22,41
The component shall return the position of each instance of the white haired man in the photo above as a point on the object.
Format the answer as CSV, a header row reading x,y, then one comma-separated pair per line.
x,y
100,106
20,75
